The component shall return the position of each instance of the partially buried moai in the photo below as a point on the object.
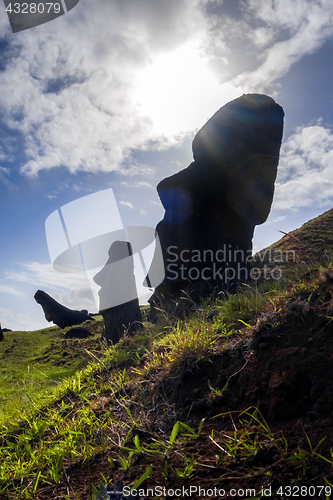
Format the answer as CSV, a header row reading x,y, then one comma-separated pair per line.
x,y
213,206
119,304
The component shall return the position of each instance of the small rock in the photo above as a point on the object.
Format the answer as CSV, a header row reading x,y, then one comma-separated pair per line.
x,y
313,415
78,333
263,345
289,351
276,380
313,471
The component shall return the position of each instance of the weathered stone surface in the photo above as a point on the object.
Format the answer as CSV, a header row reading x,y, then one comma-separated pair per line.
x,y
117,282
59,314
213,206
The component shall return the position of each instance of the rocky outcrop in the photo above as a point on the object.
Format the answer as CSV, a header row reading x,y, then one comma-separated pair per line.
x,y
59,314
213,206
119,304
78,333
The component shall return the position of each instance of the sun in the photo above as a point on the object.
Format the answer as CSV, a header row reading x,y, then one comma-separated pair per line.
x,y
179,92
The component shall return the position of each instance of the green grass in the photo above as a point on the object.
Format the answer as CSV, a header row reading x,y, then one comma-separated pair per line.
x,y
64,402
73,420
32,363
312,243
70,422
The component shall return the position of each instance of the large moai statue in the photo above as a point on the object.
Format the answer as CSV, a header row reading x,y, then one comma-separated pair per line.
x,y
213,206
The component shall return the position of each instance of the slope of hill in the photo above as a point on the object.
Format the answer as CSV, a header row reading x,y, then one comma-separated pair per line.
x,y
310,244
33,362
239,396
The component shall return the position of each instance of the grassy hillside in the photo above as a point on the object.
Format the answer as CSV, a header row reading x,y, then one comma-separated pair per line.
x,y
33,362
311,244
238,395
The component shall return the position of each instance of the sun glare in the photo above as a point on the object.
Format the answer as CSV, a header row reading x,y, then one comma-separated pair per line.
x,y
179,92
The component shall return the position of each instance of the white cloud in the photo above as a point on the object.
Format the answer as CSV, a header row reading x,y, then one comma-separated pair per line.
x,y
69,85
77,298
130,168
273,35
7,289
17,322
71,290
3,175
45,276
279,58
4,178
280,218
287,14
262,37
126,204
305,173
143,212
140,184
79,92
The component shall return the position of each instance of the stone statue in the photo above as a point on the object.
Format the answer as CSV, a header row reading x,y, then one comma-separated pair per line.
x,y
213,206
60,315
119,304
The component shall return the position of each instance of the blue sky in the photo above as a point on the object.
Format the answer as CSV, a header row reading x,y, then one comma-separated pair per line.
x,y
111,94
